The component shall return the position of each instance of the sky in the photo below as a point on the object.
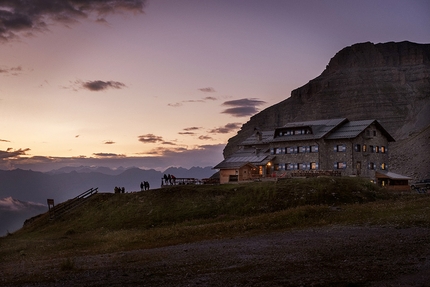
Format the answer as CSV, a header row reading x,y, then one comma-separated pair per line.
x,y
161,83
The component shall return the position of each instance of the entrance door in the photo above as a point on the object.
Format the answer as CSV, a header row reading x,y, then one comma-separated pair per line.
x,y
358,167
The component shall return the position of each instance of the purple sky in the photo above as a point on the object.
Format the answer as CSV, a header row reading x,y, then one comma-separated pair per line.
x,y
160,83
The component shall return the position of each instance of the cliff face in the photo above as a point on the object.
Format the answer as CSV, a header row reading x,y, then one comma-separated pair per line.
x,y
389,82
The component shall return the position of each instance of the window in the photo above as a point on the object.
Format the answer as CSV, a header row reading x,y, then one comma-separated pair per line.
x,y
314,165
364,148
304,166
292,166
382,149
357,147
292,149
302,149
377,149
340,165
383,166
279,150
374,133
314,148
371,165
276,167
340,148
371,148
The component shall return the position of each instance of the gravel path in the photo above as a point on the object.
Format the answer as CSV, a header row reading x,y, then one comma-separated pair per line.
x,y
335,256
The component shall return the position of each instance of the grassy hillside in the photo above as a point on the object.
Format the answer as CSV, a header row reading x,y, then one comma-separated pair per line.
x,y
180,214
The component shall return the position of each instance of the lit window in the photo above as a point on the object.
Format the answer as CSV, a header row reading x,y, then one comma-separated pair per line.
x,y
340,165
382,149
383,166
314,165
364,148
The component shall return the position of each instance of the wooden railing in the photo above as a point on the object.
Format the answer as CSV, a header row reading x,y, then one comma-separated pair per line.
x,y
67,206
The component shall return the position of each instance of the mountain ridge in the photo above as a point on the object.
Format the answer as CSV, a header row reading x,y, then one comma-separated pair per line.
x,y
389,82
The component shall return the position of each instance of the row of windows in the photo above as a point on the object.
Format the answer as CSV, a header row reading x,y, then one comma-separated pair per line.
x,y
374,149
336,148
315,165
303,131
294,149
297,166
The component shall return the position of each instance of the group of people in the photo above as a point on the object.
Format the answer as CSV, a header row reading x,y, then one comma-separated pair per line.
x,y
169,179
119,189
144,185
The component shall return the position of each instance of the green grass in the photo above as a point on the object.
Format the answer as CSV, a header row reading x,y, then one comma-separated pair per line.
x,y
181,214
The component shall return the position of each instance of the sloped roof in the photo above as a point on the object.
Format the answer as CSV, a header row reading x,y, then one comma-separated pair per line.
x,y
266,137
242,157
391,175
319,129
353,128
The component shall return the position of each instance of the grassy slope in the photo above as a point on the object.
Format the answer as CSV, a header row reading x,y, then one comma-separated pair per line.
x,y
180,214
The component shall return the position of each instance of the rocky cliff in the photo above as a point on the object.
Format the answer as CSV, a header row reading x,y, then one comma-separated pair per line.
x,y
389,82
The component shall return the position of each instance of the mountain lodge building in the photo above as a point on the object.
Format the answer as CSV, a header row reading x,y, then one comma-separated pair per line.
x,y
336,147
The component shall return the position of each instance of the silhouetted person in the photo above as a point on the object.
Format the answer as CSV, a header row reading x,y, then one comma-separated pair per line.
x,y
173,178
165,179
123,190
169,178
141,186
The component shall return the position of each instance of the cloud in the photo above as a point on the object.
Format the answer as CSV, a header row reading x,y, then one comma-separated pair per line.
x,y
22,17
111,155
150,138
187,133
205,138
192,129
109,142
242,107
203,100
14,71
9,153
226,129
6,141
207,90
96,86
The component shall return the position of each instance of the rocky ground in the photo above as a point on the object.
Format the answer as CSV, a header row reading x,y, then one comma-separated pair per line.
x,y
335,256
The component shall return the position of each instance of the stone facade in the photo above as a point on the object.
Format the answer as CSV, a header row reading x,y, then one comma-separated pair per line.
x,y
358,148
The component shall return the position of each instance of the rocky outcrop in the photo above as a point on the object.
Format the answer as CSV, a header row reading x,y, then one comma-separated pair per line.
x,y
389,82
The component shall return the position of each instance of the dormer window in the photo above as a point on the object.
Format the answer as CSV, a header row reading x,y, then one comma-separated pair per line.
x,y
258,136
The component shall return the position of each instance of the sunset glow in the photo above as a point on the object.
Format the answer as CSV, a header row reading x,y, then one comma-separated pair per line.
x,y
160,83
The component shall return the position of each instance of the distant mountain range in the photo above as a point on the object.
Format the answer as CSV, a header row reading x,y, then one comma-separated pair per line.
x,y
24,193
68,182
14,212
